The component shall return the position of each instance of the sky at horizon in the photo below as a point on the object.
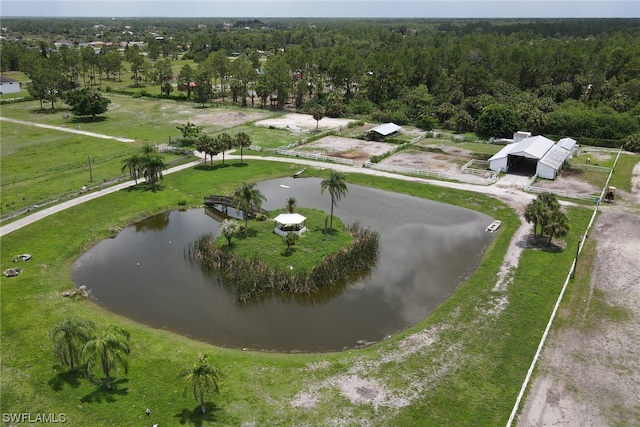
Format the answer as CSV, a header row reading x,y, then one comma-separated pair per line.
x,y
324,8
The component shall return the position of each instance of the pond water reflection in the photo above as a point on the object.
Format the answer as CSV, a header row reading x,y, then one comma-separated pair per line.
x,y
427,249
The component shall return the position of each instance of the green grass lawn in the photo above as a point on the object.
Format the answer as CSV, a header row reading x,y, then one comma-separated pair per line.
x,y
261,242
38,164
481,361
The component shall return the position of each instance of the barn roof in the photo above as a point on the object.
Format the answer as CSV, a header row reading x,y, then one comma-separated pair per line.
x,y
555,157
504,152
534,147
386,129
567,143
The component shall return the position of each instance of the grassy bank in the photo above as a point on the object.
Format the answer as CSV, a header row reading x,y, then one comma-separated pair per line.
x,y
466,371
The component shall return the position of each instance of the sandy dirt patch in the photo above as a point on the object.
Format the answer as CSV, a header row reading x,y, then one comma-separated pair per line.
x,y
571,182
590,375
224,118
305,122
348,148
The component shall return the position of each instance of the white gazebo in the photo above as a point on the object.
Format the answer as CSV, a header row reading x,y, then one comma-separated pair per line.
x,y
289,222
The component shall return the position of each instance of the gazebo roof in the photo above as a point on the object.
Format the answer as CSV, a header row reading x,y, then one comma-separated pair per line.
x,y
290,219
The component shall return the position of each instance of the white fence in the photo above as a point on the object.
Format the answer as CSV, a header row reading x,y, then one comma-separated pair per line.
x,y
528,187
313,156
428,173
591,168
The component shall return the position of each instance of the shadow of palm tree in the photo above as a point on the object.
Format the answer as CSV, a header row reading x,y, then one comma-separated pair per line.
x,y
196,417
143,187
70,378
103,395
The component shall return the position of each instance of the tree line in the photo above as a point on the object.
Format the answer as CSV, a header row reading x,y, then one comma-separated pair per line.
x,y
578,78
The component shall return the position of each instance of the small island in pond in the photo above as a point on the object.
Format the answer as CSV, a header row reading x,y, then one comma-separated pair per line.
x,y
305,259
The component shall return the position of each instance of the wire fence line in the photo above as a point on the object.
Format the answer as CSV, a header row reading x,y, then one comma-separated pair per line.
x,y
570,276
430,173
313,156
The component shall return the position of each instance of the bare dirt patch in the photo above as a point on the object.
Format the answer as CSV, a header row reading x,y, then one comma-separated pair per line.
x,y
589,373
304,122
224,118
570,181
348,148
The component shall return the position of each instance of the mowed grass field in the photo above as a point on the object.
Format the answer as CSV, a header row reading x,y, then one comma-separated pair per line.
x,y
463,365
37,164
460,366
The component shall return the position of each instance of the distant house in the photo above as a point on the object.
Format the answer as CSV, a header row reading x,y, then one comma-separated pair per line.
x,y
382,131
8,85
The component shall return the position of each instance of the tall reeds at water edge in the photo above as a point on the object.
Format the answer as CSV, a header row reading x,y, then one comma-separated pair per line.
x,y
252,277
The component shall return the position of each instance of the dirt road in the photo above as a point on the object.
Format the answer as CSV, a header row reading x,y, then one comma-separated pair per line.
x,y
589,373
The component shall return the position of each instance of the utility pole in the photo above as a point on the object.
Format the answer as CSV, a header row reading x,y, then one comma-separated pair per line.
x,y
90,172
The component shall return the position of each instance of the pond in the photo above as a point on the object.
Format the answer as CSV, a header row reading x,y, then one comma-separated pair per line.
x,y
427,249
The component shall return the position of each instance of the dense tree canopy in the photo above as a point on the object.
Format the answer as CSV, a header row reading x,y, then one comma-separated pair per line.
x,y
578,78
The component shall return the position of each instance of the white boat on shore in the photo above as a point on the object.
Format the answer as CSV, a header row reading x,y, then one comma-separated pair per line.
x,y
494,226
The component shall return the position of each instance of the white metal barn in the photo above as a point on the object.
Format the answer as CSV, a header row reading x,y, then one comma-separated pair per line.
x,y
549,166
528,150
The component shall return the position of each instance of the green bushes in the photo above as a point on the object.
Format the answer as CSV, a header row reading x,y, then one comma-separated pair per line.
x,y
251,277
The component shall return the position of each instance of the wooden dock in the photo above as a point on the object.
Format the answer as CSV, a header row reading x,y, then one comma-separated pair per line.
x,y
217,200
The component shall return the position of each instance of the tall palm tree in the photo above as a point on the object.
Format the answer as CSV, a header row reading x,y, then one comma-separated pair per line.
x,y
292,203
224,142
552,205
246,197
109,349
227,228
202,378
68,337
132,164
242,140
152,164
535,213
557,225
337,186
204,145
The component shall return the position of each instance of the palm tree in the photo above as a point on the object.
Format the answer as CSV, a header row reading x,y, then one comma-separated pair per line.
x,y
337,187
245,198
224,142
132,164
202,378
110,349
68,337
205,145
557,225
535,212
290,239
152,164
227,228
551,203
318,113
242,140
291,204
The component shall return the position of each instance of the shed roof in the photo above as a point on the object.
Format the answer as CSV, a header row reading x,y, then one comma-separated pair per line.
x,y
386,129
504,152
567,143
290,219
534,147
555,157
